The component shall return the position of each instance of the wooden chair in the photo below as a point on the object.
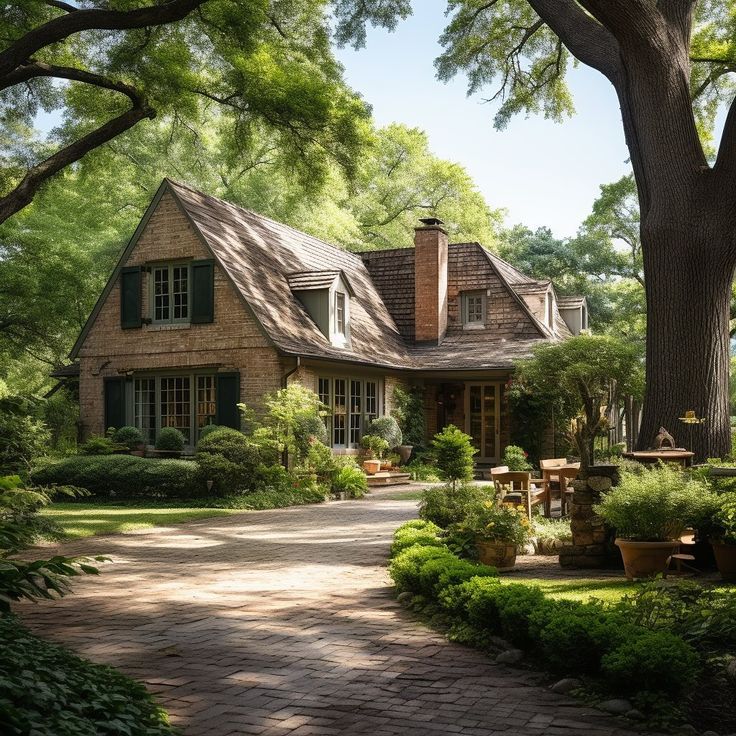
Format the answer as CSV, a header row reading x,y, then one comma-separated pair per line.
x,y
681,558
492,472
516,488
565,475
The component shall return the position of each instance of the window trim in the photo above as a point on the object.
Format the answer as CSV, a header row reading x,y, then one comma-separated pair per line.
x,y
466,296
170,266
364,417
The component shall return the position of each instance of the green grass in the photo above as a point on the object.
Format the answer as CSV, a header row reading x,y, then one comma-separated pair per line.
x,y
580,589
89,519
401,496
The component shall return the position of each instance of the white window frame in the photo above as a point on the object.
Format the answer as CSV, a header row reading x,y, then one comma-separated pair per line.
x,y
169,268
354,423
466,298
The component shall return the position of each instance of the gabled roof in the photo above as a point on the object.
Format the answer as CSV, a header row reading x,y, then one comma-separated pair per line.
x,y
314,280
570,302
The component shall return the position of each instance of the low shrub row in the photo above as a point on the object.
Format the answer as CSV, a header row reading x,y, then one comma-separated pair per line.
x,y
48,691
124,475
569,637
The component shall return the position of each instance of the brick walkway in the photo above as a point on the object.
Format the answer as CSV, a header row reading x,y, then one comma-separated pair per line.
x,y
281,622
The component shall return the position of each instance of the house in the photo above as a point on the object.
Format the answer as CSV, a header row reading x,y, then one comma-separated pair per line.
x,y
211,304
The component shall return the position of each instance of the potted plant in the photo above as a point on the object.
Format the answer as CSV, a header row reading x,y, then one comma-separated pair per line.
x,y
498,532
650,510
515,459
170,442
723,537
131,438
375,447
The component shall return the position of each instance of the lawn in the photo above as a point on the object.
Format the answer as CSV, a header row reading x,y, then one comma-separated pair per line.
x,y
580,589
88,519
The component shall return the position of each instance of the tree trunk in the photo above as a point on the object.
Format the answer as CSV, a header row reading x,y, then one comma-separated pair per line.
x,y
688,288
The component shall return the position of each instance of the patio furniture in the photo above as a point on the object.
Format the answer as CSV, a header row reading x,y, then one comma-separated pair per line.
x,y
551,474
519,488
490,473
681,457
565,474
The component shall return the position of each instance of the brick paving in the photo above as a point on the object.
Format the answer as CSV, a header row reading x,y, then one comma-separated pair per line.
x,y
282,622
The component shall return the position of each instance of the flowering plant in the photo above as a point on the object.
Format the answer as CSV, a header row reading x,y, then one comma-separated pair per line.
x,y
496,523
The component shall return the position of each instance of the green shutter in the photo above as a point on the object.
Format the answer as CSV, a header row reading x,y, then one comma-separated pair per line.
x,y
130,297
114,402
203,291
228,397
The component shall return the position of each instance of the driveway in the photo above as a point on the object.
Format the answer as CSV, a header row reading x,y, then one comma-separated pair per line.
x,y
282,622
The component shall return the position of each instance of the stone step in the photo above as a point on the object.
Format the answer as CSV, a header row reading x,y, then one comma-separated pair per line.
x,y
388,478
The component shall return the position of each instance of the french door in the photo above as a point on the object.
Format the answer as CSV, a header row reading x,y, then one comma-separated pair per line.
x,y
483,419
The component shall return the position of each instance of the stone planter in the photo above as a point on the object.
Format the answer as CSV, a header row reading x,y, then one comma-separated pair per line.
x,y
500,555
725,559
371,467
645,559
404,452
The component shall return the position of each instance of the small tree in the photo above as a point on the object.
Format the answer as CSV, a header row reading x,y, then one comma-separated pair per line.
x,y
581,380
454,452
409,413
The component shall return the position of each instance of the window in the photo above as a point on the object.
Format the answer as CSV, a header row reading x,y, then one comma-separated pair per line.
x,y
187,403
354,403
340,316
171,293
474,308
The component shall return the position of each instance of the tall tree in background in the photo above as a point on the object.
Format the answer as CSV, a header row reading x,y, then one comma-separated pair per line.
x,y
671,63
108,65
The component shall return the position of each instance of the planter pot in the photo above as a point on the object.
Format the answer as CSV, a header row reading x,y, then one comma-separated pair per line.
x,y
387,466
404,452
371,467
645,559
726,560
500,555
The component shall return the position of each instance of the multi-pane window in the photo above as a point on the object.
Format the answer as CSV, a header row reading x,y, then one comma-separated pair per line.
x,y
176,404
339,413
474,309
326,398
206,405
144,408
340,319
356,418
353,403
171,293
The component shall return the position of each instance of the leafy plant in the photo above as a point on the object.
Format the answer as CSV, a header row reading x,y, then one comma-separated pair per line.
x,y
409,413
447,504
496,523
350,480
516,459
22,437
724,520
421,470
387,428
656,505
170,439
130,437
98,445
416,532
208,429
48,691
374,445
454,453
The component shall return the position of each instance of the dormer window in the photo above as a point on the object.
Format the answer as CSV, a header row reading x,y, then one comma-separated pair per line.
x,y
474,309
340,315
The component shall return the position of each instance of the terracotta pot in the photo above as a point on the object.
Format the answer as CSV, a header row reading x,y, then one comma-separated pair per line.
x,y
725,559
645,559
371,467
387,466
404,452
500,555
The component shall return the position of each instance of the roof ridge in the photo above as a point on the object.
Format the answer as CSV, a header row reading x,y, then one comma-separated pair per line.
x,y
260,216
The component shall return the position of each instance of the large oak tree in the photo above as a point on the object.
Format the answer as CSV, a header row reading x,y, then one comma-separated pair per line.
x,y
671,63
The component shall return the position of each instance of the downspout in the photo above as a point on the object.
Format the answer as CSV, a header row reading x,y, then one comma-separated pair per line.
x,y
284,384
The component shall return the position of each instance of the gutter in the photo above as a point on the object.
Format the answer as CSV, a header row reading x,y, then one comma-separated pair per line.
x,y
288,374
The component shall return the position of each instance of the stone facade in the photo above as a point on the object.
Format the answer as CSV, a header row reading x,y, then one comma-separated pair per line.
x,y
232,342
592,545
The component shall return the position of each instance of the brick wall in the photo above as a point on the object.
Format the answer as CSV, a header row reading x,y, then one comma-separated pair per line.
x,y
430,283
233,341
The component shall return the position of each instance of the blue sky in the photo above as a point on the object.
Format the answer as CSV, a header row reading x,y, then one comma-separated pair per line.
x,y
543,173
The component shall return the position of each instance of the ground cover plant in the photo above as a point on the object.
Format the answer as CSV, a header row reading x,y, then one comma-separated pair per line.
x,y
655,643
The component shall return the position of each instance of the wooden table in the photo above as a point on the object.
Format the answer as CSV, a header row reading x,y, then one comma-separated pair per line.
x,y
683,457
548,476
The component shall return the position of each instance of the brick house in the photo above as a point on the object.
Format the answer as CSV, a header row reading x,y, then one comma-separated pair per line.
x,y
211,305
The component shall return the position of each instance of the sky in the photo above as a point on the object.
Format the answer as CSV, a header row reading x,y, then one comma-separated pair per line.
x,y
541,172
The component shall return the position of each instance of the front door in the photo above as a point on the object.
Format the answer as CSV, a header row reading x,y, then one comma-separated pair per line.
x,y
483,419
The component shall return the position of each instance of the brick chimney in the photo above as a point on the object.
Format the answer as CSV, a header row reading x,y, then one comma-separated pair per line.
x,y
430,281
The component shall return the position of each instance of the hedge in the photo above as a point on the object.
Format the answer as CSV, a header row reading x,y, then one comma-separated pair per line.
x,y
124,475
46,690
568,637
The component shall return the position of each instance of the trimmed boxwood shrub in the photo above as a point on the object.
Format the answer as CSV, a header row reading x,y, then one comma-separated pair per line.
x,y
418,532
124,475
48,691
131,437
170,439
447,504
229,459
439,573
406,566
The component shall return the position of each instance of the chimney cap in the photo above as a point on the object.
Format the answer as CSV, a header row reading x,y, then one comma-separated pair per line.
x,y
431,221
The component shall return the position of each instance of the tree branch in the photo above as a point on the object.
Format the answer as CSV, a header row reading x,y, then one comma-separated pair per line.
x,y
584,37
726,160
98,19
35,177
